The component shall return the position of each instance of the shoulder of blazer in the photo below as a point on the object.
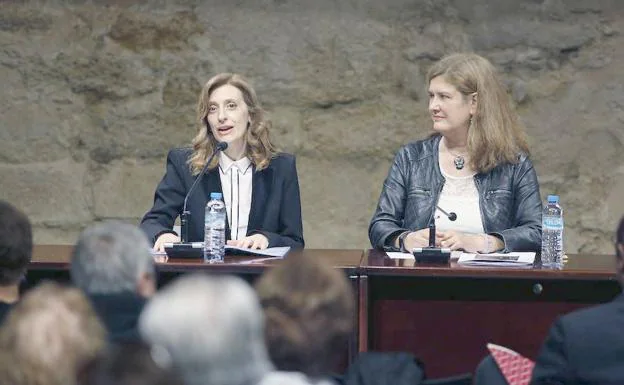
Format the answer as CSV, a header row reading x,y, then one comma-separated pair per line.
x,y
419,150
586,317
180,154
179,157
282,161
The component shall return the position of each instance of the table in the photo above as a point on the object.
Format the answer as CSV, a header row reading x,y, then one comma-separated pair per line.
x,y
446,314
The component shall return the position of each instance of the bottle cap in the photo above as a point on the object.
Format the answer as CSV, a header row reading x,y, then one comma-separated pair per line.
x,y
553,199
216,195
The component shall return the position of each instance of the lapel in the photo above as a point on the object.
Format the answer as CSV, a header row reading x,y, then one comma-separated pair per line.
x,y
261,184
212,183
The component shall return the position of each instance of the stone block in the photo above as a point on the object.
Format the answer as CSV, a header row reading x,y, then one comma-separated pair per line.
x,y
51,194
339,196
124,189
366,128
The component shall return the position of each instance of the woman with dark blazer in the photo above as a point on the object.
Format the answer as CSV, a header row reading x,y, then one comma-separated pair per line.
x,y
259,185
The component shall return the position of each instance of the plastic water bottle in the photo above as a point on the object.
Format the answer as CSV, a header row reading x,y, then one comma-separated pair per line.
x,y
552,233
214,229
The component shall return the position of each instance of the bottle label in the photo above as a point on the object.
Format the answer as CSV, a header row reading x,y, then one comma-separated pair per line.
x,y
552,223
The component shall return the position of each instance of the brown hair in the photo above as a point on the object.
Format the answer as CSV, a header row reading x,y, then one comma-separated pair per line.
x,y
16,244
259,147
308,309
495,135
48,335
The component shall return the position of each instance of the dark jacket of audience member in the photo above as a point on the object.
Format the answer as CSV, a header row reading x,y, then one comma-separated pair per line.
x,y
16,247
130,364
586,346
376,368
120,314
488,373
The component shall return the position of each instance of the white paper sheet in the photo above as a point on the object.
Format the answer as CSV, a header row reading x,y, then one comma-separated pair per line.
x,y
410,256
269,252
513,259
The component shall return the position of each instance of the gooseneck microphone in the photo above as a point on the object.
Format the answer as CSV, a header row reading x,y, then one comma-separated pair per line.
x,y
451,216
186,215
432,254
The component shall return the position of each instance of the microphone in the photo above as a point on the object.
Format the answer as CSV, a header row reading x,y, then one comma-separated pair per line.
x,y
432,254
451,216
186,215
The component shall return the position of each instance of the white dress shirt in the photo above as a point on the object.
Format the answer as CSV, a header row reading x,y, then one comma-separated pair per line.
x,y
236,177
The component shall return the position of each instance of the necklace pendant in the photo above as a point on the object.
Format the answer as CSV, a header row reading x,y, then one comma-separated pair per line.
x,y
459,162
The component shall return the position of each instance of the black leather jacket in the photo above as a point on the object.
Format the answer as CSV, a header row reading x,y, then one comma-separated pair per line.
x,y
509,199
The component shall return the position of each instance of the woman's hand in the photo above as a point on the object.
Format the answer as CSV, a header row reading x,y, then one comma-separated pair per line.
x,y
256,241
159,245
419,238
455,240
472,243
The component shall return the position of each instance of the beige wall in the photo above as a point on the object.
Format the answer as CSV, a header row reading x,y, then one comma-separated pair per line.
x,y
94,93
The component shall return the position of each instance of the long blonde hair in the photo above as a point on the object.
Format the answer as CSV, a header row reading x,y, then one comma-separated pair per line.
x,y
259,148
495,135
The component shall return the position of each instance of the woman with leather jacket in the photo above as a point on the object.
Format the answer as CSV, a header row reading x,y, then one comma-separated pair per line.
x,y
472,178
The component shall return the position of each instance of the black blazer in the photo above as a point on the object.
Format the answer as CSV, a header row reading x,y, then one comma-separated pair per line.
x,y
584,347
275,202
119,313
4,310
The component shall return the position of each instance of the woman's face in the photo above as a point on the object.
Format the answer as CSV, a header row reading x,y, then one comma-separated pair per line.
x,y
450,109
228,115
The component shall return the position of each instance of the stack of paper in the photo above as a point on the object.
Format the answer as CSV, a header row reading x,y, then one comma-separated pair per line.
x,y
514,259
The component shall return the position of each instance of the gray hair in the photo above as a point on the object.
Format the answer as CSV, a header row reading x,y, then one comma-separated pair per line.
x,y
110,257
213,328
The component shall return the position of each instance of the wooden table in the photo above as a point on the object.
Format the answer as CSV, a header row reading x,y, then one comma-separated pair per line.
x,y
447,314
57,258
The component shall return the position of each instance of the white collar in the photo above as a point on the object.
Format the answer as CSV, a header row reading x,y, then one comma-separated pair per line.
x,y
226,163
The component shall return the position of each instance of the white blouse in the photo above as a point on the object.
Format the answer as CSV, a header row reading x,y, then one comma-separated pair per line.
x,y
460,196
236,177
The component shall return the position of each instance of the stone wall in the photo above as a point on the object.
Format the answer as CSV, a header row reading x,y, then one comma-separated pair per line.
x,y
95,92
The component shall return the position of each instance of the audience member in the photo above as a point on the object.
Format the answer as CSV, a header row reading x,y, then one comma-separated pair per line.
x,y
212,326
112,264
308,306
15,252
47,336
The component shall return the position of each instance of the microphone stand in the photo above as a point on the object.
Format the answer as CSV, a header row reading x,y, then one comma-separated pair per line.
x,y
432,254
185,217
